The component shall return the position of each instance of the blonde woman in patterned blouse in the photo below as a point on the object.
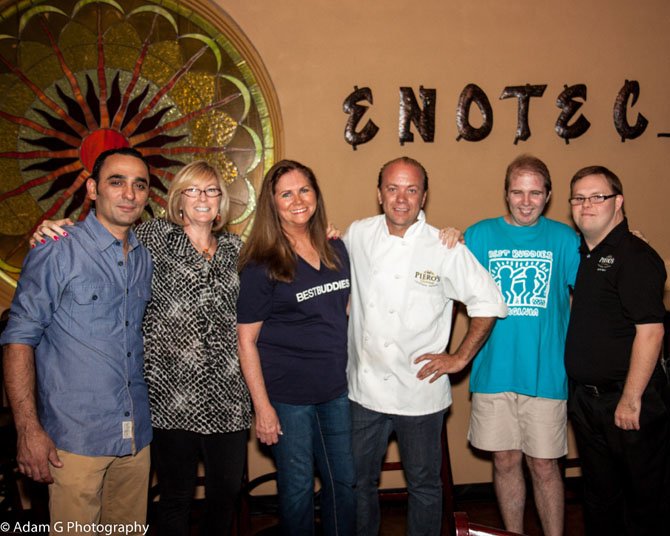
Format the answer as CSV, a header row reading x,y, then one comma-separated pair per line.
x,y
199,402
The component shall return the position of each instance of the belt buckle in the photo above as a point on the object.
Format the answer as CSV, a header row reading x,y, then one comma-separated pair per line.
x,y
592,390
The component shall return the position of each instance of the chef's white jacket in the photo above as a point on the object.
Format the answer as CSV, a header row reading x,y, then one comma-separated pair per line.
x,y
402,295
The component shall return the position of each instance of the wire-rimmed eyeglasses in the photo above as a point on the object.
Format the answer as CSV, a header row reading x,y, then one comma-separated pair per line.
x,y
195,192
593,199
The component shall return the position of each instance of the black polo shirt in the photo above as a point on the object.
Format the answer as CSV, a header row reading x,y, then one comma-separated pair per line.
x,y
619,284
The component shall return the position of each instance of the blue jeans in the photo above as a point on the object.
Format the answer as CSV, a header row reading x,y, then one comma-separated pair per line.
x,y
419,442
321,434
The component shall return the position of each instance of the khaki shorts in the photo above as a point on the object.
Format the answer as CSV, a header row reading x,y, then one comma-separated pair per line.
x,y
509,421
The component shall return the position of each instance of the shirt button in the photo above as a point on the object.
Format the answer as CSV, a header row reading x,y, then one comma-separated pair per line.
x,y
127,322
128,354
387,344
94,297
120,263
128,384
397,276
126,291
127,413
117,243
372,305
391,311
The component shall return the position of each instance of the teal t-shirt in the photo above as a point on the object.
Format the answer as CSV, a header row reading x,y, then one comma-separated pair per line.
x,y
534,267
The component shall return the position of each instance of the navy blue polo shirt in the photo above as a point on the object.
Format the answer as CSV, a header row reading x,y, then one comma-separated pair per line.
x,y
619,284
303,340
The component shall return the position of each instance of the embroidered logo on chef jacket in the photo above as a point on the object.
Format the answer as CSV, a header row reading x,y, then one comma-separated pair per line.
x,y
427,278
605,263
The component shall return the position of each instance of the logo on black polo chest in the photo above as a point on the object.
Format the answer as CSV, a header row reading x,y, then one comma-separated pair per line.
x,y
605,263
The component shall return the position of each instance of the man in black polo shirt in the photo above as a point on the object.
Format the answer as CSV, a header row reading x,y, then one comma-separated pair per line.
x,y
618,400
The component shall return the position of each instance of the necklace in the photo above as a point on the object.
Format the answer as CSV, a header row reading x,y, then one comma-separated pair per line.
x,y
205,251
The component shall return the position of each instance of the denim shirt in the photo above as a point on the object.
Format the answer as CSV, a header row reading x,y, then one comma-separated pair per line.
x,y
80,304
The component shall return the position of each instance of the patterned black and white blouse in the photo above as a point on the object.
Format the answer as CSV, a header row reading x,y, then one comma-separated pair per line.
x,y
190,338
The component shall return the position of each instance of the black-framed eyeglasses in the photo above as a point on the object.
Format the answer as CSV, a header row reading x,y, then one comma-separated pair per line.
x,y
195,192
593,199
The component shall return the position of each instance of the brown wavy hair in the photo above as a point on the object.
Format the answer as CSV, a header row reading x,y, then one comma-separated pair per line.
x,y
268,245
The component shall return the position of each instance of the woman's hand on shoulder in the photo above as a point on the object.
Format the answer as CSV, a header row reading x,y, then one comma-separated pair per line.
x,y
332,232
268,428
49,229
450,236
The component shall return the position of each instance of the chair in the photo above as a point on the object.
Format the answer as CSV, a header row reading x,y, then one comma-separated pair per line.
x,y
249,503
10,497
465,528
447,482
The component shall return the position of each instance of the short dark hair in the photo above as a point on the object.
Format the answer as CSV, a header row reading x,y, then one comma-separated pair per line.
x,y
404,160
610,177
529,164
100,161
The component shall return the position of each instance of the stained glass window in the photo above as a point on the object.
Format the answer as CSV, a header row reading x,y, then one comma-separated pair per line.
x,y
76,78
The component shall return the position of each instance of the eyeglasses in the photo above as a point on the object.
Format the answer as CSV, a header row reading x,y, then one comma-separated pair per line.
x,y
195,192
593,199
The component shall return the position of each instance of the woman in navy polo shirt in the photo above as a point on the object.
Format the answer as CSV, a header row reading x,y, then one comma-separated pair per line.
x,y
292,330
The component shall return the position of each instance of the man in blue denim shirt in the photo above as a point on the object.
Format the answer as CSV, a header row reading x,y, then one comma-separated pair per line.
x,y
73,356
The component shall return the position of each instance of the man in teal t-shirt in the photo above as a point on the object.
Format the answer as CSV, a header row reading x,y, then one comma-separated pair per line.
x,y
518,379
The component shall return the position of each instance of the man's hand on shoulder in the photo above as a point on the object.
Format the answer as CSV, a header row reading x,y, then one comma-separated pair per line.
x,y
450,236
35,451
437,365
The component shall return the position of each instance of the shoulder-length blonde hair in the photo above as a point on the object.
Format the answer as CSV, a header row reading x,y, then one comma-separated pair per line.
x,y
198,169
268,245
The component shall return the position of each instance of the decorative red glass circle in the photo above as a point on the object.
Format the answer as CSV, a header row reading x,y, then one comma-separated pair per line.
x,y
97,142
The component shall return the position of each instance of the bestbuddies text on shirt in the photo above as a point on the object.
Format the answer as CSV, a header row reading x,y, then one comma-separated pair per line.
x,y
322,289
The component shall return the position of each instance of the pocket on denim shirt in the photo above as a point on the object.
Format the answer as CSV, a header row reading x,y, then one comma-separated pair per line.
x,y
95,308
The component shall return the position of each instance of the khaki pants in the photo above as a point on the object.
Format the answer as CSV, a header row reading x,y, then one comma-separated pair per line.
x,y
91,494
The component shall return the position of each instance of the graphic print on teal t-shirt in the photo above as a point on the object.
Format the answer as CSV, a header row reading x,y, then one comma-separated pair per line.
x,y
523,277
534,267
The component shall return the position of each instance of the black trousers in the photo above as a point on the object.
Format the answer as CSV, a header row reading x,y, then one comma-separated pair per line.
x,y
175,454
625,472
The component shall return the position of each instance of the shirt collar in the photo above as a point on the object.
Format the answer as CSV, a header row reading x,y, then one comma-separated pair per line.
x,y
413,229
101,235
612,238
179,242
